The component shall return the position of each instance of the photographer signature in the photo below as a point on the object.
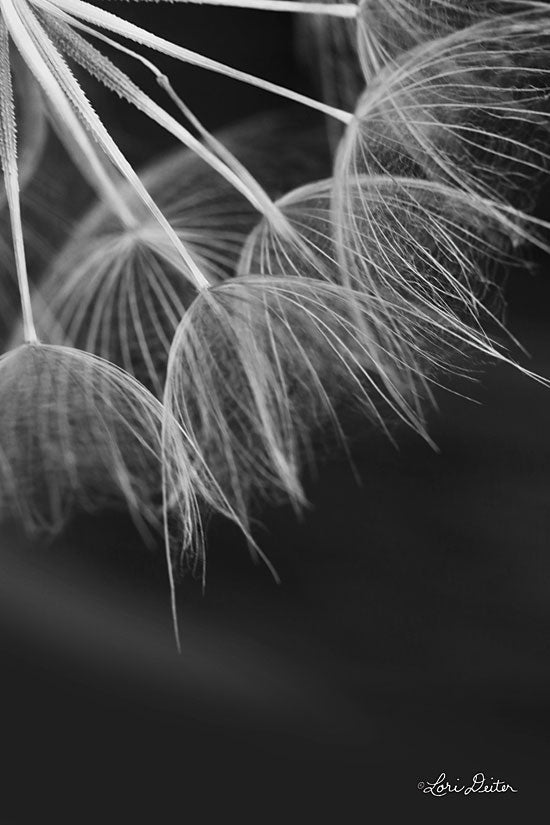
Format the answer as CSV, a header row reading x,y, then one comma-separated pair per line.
x,y
442,787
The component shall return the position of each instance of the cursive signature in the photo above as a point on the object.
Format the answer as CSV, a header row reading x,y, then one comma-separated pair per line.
x,y
442,787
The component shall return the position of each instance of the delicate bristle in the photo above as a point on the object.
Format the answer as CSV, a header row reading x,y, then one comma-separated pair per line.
x,y
389,28
259,364
471,111
398,242
120,292
77,433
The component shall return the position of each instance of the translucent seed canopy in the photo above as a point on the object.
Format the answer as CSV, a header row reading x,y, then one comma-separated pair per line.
x,y
76,433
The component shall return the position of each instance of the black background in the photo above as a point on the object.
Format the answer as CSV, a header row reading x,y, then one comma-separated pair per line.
x,y
409,636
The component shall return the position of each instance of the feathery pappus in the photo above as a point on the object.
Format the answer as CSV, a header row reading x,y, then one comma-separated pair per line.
x,y
214,314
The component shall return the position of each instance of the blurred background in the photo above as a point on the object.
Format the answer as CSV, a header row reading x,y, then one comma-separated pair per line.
x,y
410,633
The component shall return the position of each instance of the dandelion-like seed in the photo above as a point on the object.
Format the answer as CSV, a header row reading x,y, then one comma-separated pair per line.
x,y
120,292
44,34
76,432
364,290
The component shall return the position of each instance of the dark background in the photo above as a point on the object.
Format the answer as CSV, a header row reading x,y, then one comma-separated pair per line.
x,y
409,636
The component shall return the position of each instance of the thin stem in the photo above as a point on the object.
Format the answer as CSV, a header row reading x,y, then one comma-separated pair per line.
x,y
349,10
217,156
8,154
67,122
257,196
167,538
84,155
59,83
111,22
12,194
172,589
